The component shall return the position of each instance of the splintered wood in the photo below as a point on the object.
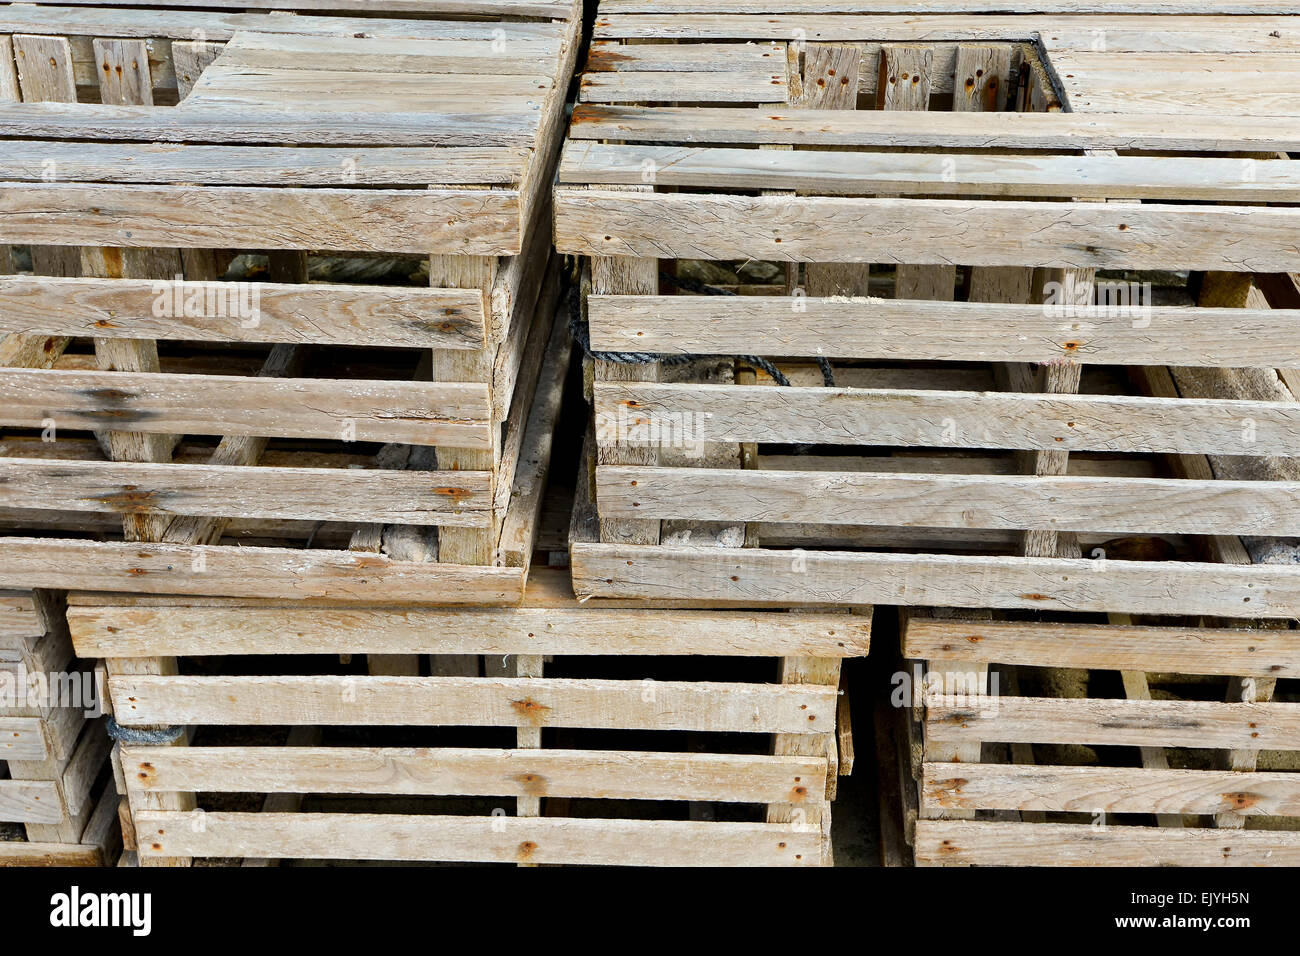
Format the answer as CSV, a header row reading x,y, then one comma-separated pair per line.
x,y
283,280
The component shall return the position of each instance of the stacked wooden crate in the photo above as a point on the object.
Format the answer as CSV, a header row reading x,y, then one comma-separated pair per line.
x,y
355,422
58,805
989,369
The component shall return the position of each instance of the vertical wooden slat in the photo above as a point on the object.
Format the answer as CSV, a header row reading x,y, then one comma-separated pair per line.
x,y
190,58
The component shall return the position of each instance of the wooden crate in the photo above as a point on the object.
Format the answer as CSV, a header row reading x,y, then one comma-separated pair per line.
x,y
709,739
885,194
58,805
251,271
1095,742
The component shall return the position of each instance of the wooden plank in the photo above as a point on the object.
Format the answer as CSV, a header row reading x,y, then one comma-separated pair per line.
x,y
153,163
1128,647
414,412
842,416
142,632
22,738
483,8
1110,789
243,312
789,7
1134,723
602,775
123,72
248,571
836,173
455,499
747,86
941,842
1122,333
45,69
1050,503
390,836
927,231
464,56
755,577
41,853
189,59
474,702
30,801
1010,130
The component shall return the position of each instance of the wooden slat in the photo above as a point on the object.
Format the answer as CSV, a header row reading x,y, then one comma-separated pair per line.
x,y
249,571
157,402
1133,723
464,56
21,738
1051,503
1109,789
603,775
927,231
1057,130
944,842
590,842
637,413
453,499
30,801
1186,650
838,173
748,86
243,312
42,853
464,222
484,8
753,577
474,702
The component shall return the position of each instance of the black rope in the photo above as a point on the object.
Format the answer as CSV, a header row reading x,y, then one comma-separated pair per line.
x,y
582,335
131,735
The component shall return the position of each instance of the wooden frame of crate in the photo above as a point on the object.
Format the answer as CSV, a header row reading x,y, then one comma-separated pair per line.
x,y
634,739
1172,749
331,426
54,780
739,138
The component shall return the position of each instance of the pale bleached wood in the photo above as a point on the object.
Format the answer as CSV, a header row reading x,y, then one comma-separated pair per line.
x,y
1189,650
1132,723
1060,131
738,86
452,499
22,738
985,330
474,701
30,801
841,416
190,58
462,221
751,577
123,72
941,843
926,231
480,839
252,571
1048,503
466,56
625,775
237,312
419,413
40,853
483,8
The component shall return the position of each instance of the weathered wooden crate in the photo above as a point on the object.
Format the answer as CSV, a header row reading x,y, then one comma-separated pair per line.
x,y
598,733
356,421
58,805
903,200
1097,742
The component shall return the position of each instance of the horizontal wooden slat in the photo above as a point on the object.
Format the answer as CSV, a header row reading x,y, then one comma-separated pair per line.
x,y
753,577
183,631
1096,790
268,125
1265,652
417,413
474,702
30,801
945,174
1100,721
927,231
445,221
1060,131
21,738
962,842
683,57
485,8
466,56
1129,332
748,86
1052,503
24,853
790,7
645,413
249,572
486,839
152,163
460,499
243,312
604,775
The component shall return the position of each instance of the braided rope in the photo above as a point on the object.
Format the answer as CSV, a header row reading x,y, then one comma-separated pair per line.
x,y
131,735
